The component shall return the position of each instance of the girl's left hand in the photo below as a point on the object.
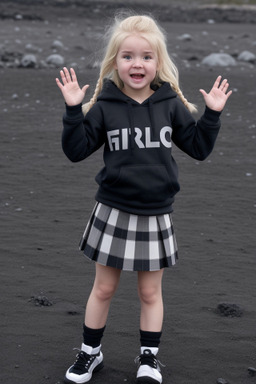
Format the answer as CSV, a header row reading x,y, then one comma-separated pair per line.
x,y
218,95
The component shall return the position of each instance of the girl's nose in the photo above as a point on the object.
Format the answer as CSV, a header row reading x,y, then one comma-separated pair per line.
x,y
137,63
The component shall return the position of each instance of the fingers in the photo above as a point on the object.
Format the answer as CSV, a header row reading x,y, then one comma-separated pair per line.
x,y
85,87
203,92
225,86
67,77
222,85
73,74
217,82
229,94
59,83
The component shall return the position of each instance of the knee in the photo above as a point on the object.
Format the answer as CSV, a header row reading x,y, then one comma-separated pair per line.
x,y
148,294
104,292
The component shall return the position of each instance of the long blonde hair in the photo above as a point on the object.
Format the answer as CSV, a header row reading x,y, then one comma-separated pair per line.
x,y
147,28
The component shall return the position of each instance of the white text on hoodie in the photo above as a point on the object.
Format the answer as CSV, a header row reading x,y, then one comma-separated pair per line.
x,y
118,139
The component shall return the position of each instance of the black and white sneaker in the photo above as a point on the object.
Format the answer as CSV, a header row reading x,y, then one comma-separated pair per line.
x,y
149,371
88,360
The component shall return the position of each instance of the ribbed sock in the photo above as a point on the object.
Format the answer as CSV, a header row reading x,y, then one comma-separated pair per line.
x,y
150,339
92,337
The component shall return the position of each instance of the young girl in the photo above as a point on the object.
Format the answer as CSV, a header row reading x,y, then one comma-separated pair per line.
x,y
137,112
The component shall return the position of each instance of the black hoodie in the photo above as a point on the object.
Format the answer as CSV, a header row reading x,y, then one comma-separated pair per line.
x,y
140,175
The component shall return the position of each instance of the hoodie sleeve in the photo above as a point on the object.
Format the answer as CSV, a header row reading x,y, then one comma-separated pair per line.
x,y
197,139
82,135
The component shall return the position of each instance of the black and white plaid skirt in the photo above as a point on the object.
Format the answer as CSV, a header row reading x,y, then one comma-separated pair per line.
x,y
129,242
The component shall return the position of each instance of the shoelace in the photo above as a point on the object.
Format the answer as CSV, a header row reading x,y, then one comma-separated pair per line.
x,y
83,360
148,359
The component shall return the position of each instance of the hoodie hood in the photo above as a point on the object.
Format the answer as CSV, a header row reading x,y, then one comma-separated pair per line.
x,y
110,92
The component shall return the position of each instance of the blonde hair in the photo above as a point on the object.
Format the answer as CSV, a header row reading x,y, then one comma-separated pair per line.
x,y
147,28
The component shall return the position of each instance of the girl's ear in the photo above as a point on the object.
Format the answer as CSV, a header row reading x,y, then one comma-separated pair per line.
x,y
115,65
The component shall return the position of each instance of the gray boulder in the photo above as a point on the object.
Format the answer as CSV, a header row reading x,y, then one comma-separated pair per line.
x,y
247,56
55,60
219,59
28,61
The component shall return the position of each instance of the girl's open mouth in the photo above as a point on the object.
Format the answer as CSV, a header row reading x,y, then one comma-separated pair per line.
x,y
137,76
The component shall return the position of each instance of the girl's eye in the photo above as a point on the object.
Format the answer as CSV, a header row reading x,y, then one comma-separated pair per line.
x,y
127,57
147,58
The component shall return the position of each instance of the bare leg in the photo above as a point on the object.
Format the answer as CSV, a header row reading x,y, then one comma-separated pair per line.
x,y
105,284
150,294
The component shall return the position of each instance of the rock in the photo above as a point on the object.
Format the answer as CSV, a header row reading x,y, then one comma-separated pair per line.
x,y
55,60
220,380
252,371
229,310
247,56
57,44
18,17
41,301
10,56
28,61
193,58
219,59
185,37
74,65
32,48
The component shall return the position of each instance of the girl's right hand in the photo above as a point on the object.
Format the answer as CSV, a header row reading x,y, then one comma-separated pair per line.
x,y
69,87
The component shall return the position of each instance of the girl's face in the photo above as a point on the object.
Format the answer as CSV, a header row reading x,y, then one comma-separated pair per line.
x,y
136,64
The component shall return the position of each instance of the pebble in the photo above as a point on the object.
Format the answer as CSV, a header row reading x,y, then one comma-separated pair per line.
x,y
185,37
31,48
220,380
41,301
229,310
57,44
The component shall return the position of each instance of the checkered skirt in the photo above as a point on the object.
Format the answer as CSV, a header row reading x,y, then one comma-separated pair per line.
x,y
129,242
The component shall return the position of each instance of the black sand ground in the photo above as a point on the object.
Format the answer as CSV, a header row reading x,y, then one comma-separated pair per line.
x,y
46,200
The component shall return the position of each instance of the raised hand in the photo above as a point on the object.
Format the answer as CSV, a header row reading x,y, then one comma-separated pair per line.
x,y
218,95
70,88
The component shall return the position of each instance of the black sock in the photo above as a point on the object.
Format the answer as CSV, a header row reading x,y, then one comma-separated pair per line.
x,y
150,339
92,337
